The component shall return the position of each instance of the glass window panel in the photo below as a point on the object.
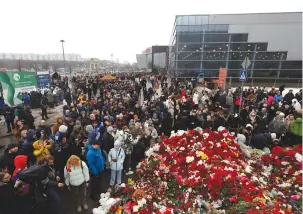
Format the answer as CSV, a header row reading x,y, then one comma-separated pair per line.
x,y
190,47
189,56
198,28
205,20
189,64
215,55
233,73
261,46
179,20
213,64
187,73
179,29
190,38
191,20
215,47
185,29
266,64
242,46
191,28
239,37
240,55
185,20
234,65
216,37
198,20
291,74
265,73
270,55
292,65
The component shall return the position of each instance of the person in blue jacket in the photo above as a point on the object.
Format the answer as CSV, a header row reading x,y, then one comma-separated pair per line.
x,y
95,162
278,97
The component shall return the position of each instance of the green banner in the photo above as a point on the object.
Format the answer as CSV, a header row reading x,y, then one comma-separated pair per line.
x,y
15,83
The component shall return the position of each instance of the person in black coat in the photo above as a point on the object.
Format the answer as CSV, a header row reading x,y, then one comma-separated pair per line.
x,y
44,107
193,121
7,192
29,119
108,140
244,113
219,121
62,153
7,158
68,97
233,122
166,126
260,141
289,97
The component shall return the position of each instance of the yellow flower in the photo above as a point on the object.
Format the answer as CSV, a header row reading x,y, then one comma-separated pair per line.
x,y
130,181
236,154
204,156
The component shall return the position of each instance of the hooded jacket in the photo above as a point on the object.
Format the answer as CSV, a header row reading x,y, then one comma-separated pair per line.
x,y
278,127
296,127
27,147
260,141
95,160
41,151
20,163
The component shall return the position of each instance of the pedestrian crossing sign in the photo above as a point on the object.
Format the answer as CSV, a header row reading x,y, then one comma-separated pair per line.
x,y
243,75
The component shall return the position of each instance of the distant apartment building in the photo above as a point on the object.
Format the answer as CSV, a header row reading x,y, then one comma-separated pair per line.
x,y
46,57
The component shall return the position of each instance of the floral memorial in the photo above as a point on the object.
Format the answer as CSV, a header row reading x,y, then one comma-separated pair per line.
x,y
201,171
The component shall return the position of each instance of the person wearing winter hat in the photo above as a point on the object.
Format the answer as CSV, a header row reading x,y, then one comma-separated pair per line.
x,y
95,161
278,125
62,130
108,139
116,158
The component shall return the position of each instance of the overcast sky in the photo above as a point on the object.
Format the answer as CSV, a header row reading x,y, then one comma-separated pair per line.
x,y
97,28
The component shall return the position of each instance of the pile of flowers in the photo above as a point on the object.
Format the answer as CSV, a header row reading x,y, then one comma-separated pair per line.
x,y
200,170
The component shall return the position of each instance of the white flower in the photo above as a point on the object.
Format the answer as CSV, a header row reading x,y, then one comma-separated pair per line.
x,y
156,147
299,157
123,185
189,159
284,163
136,208
149,152
200,162
182,149
248,169
142,202
189,189
205,134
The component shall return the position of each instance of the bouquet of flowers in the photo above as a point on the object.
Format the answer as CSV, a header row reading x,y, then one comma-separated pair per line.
x,y
201,170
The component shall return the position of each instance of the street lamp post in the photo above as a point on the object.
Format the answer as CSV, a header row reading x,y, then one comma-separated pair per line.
x,y
62,41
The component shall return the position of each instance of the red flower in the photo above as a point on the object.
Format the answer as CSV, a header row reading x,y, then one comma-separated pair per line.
x,y
68,169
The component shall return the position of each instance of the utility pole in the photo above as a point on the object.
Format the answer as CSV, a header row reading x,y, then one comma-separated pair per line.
x,y
62,41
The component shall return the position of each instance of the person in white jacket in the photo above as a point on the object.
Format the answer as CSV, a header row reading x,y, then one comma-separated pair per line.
x,y
116,158
76,175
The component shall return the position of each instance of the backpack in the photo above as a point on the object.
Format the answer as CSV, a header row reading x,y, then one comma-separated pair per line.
x,y
33,173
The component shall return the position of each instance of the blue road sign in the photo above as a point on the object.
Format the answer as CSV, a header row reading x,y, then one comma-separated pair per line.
x,y
43,79
243,76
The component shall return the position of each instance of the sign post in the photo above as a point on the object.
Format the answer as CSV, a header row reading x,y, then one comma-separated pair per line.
x,y
243,78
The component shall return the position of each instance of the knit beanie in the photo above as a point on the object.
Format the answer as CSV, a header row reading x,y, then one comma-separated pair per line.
x,y
63,129
78,123
110,129
117,143
89,129
273,136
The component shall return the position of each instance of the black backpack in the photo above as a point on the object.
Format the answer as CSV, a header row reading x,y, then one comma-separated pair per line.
x,y
34,173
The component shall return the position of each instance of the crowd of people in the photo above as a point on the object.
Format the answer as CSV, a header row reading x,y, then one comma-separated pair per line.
x,y
108,126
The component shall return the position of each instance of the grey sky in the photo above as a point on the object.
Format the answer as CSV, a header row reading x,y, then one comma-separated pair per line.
x,y
97,28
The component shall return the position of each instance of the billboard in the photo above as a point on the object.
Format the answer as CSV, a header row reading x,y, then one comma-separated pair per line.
x,y
43,79
14,83
222,77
